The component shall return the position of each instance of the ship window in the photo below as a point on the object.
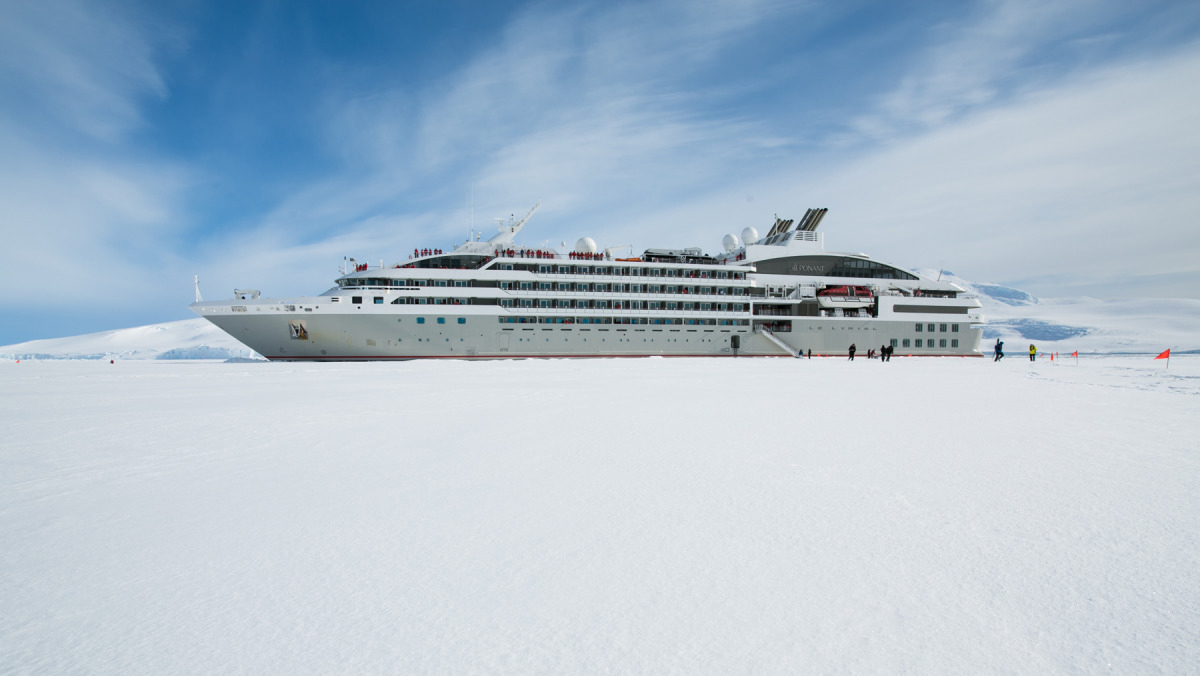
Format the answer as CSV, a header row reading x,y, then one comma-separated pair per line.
x,y
930,327
893,343
356,299
564,269
460,282
904,342
953,342
526,286
706,306
543,269
338,299
545,286
439,282
943,328
942,342
462,320
420,320
918,342
379,300
635,288
954,328
920,327
441,320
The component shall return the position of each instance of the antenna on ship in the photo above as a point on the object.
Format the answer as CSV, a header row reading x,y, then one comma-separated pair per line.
x,y
471,223
196,281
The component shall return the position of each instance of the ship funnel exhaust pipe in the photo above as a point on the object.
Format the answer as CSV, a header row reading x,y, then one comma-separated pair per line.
x,y
817,218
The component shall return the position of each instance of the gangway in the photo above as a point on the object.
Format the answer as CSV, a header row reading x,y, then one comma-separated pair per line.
x,y
769,335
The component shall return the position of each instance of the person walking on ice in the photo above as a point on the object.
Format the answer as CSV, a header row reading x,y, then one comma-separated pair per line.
x,y
853,349
998,350
1032,352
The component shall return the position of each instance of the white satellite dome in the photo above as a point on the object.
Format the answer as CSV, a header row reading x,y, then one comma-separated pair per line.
x,y
749,236
730,242
585,245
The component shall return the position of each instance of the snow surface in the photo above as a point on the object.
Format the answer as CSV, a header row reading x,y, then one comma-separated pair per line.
x,y
653,516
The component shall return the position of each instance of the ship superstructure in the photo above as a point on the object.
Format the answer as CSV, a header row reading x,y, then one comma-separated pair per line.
x,y
781,295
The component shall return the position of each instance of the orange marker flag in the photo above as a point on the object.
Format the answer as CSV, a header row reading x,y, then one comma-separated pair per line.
x,y
1164,355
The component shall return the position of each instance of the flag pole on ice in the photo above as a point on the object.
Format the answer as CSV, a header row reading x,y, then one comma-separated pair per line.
x,y
1166,355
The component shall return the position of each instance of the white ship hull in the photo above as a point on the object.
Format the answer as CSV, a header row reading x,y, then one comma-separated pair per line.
x,y
340,336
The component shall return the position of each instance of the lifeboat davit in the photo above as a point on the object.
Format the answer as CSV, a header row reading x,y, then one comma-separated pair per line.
x,y
845,297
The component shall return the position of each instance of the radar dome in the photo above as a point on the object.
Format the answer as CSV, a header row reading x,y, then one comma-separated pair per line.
x,y
749,236
585,245
730,242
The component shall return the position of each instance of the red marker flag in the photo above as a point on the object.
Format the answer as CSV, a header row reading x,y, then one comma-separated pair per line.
x,y
1164,355
1075,353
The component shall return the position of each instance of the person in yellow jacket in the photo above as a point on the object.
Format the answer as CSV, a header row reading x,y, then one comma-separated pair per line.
x,y
1032,352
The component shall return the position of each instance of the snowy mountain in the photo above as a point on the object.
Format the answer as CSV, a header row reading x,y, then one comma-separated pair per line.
x,y
186,339
1084,324
1012,315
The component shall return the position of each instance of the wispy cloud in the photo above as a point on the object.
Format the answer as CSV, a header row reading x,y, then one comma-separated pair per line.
x,y
588,99
83,65
1002,49
74,195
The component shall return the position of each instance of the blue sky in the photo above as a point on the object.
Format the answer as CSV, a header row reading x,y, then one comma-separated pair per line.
x,y
1049,145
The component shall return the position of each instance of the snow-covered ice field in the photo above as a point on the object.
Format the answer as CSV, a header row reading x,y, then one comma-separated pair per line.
x,y
649,516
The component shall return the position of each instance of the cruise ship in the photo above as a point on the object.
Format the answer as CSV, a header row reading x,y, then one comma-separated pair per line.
x,y
781,294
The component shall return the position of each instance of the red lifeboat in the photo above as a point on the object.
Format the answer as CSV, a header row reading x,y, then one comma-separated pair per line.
x,y
845,297
847,292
